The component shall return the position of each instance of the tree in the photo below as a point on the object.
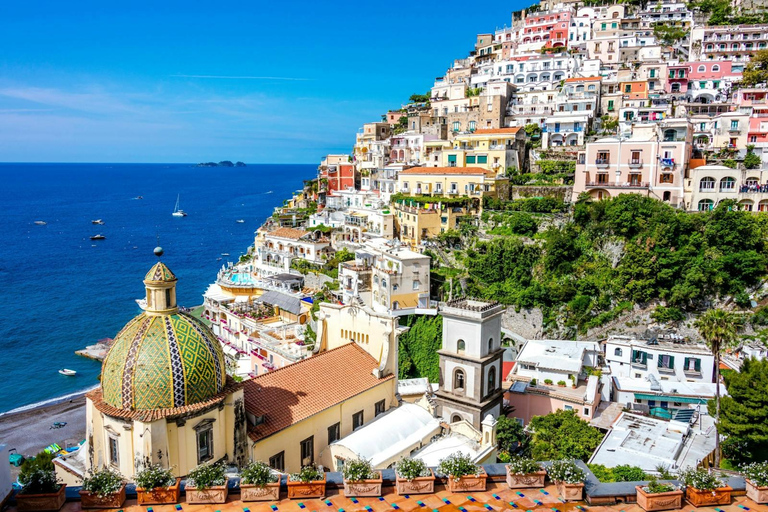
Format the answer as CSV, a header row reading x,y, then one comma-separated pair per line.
x,y
562,435
744,413
418,348
510,435
719,328
420,98
751,160
668,35
756,71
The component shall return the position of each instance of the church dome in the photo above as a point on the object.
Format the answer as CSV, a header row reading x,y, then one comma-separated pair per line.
x,y
162,358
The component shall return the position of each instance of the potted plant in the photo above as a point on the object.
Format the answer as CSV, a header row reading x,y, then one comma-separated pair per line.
x,y
103,488
569,479
41,491
548,382
360,479
307,483
561,383
658,496
259,483
463,474
756,475
207,483
703,488
412,476
523,472
156,485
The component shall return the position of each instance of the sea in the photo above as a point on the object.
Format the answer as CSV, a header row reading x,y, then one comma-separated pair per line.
x,y
61,291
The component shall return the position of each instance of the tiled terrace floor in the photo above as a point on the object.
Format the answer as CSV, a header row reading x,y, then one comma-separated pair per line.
x,y
497,498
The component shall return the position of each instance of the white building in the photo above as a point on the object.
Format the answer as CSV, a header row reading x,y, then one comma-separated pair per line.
x,y
664,359
663,398
556,360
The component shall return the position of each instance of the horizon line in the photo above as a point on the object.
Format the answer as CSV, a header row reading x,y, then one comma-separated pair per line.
x,y
227,77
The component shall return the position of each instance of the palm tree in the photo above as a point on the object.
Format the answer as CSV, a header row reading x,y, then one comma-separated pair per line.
x,y
719,329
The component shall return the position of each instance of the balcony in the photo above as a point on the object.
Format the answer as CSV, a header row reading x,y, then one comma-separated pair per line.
x,y
602,163
627,184
635,163
668,162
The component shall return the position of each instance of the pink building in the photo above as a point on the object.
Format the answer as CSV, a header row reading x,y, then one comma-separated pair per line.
x,y
539,399
549,27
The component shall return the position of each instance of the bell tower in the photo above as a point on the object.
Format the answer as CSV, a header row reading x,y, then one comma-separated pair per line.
x,y
470,361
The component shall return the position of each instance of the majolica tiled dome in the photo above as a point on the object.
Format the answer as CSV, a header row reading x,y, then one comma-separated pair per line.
x,y
162,361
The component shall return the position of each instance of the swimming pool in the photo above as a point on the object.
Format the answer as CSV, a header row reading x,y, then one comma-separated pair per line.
x,y
242,278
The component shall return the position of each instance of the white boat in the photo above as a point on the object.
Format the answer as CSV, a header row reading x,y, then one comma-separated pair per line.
x,y
240,221
40,222
178,212
142,303
98,237
67,372
97,221
225,254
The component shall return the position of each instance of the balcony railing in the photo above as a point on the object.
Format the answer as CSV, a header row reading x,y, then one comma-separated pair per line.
x,y
628,184
635,163
602,163
668,162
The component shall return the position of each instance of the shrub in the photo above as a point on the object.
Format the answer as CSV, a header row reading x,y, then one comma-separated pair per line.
x,y
548,382
664,314
39,481
566,471
757,472
357,470
42,460
207,475
258,473
627,473
561,383
307,474
154,476
700,479
408,469
654,487
103,482
458,465
523,466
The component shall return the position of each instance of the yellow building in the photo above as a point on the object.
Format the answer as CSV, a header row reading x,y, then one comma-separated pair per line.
x,y
491,149
419,222
453,181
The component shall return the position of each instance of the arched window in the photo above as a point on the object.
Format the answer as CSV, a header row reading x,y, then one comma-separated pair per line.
x,y
461,346
492,379
702,68
706,205
456,418
707,183
591,88
617,352
490,345
458,379
727,184
715,68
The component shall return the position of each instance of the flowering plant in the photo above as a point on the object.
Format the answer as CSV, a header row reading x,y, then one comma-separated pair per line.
x,y
307,474
257,473
409,469
207,475
103,482
757,473
654,487
566,471
39,481
700,479
523,466
458,465
358,470
154,476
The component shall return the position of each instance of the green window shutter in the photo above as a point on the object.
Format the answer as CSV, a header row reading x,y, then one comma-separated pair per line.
x,y
471,159
452,159
482,159
603,26
671,361
697,362
610,104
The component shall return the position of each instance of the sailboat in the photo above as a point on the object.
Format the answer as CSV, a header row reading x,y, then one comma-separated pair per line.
x,y
178,212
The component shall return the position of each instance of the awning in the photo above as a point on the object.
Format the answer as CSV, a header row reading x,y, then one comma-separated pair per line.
x,y
283,301
671,398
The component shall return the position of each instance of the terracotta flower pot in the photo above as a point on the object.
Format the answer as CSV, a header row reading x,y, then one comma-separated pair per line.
x,y
672,500
468,483
41,502
364,488
313,489
524,481
269,492
215,494
697,498
570,492
93,500
757,494
159,495
419,485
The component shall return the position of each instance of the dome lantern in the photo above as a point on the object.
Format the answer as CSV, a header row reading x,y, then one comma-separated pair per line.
x,y
160,284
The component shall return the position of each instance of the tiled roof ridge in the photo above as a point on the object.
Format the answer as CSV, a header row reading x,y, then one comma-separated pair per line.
x,y
294,365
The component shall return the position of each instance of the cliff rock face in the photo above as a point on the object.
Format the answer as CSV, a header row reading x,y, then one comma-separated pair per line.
x,y
526,322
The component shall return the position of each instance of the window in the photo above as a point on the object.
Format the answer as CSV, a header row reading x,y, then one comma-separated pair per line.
x,y
357,420
482,159
707,183
205,444
568,407
114,452
308,451
586,411
666,362
617,351
168,298
458,379
734,124
492,379
472,126
667,178
490,345
334,433
715,68
380,408
628,88
610,105
451,160
470,159
702,68
277,462
456,126
706,205
639,357
461,346
692,365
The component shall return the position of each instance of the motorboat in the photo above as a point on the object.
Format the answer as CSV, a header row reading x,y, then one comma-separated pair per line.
x,y
98,237
98,222
240,221
178,212
68,372
225,254
142,303
40,222
139,197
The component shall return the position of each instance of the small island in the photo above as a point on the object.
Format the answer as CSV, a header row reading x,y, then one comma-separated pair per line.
x,y
223,163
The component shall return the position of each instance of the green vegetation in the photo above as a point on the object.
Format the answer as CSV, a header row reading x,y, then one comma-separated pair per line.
x,y
751,160
329,268
665,315
43,461
623,473
421,98
744,413
562,435
422,200
669,34
721,12
529,204
510,435
616,253
417,348
513,223
756,71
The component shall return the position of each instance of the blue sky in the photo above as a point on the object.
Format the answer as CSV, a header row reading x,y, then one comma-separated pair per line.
x,y
98,81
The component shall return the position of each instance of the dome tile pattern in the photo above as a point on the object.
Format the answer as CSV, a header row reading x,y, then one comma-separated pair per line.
x,y
160,273
162,362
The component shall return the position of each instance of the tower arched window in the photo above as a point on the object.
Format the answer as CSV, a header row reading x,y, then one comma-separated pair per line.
x,y
490,345
461,346
458,379
492,379
617,351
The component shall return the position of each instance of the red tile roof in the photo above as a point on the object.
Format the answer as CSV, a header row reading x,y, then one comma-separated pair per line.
x,y
300,390
509,129
291,233
583,79
445,170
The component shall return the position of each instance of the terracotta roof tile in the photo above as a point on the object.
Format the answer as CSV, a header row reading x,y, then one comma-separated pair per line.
x,y
293,234
295,392
509,129
444,170
583,79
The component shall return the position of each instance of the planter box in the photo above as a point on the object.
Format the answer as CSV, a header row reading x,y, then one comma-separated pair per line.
x,y
270,492
41,502
467,483
570,492
92,500
697,498
525,481
313,489
757,494
420,485
159,496
215,494
672,500
364,488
